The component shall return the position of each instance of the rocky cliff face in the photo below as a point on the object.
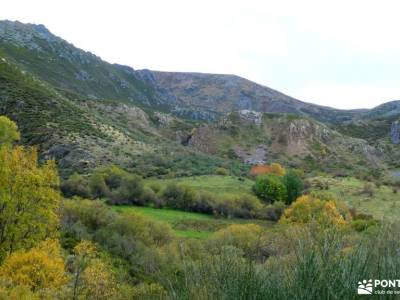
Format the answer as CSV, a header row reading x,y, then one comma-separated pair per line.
x,y
395,132
302,133
256,139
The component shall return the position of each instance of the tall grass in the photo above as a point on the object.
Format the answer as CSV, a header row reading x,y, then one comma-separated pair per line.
x,y
313,264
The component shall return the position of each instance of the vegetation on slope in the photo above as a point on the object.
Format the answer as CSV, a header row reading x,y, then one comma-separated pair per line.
x,y
194,227
378,199
82,102
41,111
66,67
100,252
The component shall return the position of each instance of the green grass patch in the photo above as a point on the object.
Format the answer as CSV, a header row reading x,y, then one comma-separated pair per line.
x,y
189,224
192,234
164,214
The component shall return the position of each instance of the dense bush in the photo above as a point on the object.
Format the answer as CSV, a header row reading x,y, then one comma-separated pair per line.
x,y
128,191
270,188
272,212
111,183
148,197
76,185
126,235
178,196
251,239
361,225
183,197
38,273
98,187
307,209
82,217
130,234
221,171
241,206
117,186
362,221
294,186
32,263
203,202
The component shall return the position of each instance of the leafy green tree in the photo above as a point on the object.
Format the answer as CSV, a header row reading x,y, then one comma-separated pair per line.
x,y
8,131
270,188
294,186
98,186
29,199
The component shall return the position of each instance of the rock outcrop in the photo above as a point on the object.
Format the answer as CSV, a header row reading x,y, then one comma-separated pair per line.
x,y
395,132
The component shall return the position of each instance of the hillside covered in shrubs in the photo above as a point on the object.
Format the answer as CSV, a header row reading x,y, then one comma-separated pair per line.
x,y
121,184
65,240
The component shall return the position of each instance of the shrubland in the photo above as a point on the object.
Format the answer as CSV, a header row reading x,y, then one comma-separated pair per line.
x,y
119,187
80,247
163,206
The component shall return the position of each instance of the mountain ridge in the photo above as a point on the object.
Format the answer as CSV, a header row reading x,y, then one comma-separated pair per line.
x,y
117,81
233,93
159,123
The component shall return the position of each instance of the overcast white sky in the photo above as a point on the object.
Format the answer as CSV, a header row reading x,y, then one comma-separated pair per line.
x,y
344,54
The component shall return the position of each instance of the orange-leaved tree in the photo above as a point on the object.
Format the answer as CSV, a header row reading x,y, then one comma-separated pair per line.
x,y
273,168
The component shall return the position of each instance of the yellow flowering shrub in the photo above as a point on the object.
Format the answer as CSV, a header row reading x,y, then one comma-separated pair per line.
x,y
40,269
307,209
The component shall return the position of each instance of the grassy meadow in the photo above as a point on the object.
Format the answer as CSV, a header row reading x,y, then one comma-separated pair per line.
x,y
189,224
382,202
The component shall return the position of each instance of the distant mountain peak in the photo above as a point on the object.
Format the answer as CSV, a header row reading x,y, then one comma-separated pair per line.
x,y
25,35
